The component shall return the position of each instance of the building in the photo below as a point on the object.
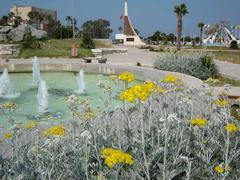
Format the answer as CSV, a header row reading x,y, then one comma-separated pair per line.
x,y
129,36
43,24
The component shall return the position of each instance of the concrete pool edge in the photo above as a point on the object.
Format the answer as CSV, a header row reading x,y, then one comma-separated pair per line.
x,y
141,73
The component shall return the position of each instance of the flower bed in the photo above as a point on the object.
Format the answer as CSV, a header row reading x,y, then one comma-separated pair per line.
x,y
162,131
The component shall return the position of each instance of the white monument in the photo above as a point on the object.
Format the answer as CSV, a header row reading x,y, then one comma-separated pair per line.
x,y
129,36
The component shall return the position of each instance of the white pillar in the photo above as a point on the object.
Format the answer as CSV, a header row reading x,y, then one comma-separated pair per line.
x,y
126,8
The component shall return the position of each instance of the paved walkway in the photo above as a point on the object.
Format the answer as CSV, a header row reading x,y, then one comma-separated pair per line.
x,y
134,55
147,58
229,69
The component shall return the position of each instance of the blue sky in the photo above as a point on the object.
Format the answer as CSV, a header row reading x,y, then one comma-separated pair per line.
x,y
146,15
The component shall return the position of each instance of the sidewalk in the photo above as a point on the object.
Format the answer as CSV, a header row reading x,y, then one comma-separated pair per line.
x,y
229,70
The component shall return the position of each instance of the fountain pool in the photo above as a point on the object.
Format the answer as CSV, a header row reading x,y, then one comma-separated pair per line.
x,y
59,86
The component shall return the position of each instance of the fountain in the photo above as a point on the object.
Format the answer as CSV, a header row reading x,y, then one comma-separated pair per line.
x,y
35,72
6,87
81,83
42,97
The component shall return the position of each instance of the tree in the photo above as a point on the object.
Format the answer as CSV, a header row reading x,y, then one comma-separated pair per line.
x,y
74,28
36,16
17,21
11,15
31,17
234,45
120,29
200,26
99,28
156,37
171,37
41,17
4,20
180,10
68,19
137,31
87,42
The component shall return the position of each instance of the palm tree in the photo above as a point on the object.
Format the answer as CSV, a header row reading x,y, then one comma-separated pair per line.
x,y
201,25
157,36
180,10
74,23
68,19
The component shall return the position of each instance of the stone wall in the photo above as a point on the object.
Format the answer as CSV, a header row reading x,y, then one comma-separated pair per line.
x,y
9,50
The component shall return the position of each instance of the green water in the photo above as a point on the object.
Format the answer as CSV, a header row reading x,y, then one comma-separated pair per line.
x,y
60,85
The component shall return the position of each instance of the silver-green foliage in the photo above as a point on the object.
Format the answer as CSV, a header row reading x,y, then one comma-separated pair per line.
x,y
158,133
200,65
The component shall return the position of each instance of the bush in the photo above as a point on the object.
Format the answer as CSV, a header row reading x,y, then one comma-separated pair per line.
x,y
234,45
87,42
30,42
198,65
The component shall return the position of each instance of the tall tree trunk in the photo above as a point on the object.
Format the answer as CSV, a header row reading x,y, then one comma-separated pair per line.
x,y
179,32
201,36
68,28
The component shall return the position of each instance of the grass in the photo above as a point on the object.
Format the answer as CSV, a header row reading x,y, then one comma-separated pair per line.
x,y
221,81
55,48
234,112
230,56
221,53
101,44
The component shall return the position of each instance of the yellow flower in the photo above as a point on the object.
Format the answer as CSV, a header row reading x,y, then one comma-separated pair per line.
x,y
8,135
211,80
160,90
101,176
89,115
76,114
114,156
126,76
9,106
228,168
113,76
199,122
32,125
56,130
221,102
219,169
171,79
128,96
139,91
149,86
231,127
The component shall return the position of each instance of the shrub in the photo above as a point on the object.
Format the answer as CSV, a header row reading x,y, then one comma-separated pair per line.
x,y
139,64
87,42
30,42
200,65
234,45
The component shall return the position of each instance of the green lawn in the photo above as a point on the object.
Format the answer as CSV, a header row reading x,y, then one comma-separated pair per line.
x,y
230,56
55,48
220,53
221,81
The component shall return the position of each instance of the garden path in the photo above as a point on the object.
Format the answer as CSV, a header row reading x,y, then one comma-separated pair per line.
x,y
229,69
147,58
